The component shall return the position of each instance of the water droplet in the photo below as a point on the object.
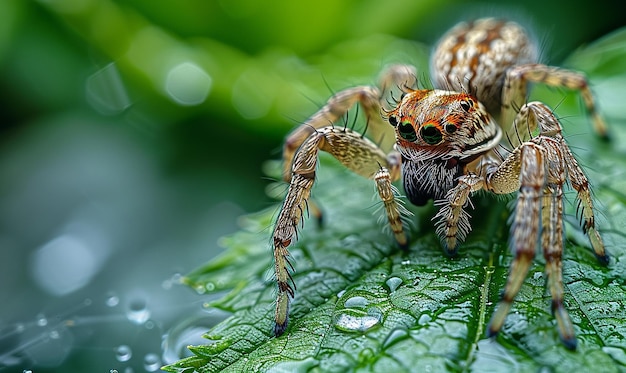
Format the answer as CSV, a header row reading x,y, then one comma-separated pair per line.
x,y
538,275
54,334
297,366
424,319
395,336
209,286
41,320
112,300
366,355
393,283
492,357
341,293
175,279
123,353
356,321
618,354
199,289
113,371
151,362
406,262
138,311
27,371
356,302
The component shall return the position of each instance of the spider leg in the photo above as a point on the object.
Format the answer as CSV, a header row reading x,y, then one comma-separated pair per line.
x,y
452,221
579,182
543,164
530,161
336,107
517,78
550,127
552,246
393,79
552,221
358,154
387,193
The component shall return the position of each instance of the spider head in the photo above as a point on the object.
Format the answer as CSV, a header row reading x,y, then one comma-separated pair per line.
x,y
442,124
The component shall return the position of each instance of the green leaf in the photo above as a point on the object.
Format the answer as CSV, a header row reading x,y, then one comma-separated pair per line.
x,y
364,305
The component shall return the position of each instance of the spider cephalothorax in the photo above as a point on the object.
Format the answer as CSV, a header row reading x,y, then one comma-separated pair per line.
x,y
438,133
449,144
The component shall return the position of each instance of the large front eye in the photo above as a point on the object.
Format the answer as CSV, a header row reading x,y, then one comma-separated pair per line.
x,y
406,131
431,134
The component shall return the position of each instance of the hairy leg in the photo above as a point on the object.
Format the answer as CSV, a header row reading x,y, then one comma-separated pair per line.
x,y
518,77
525,228
358,154
372,100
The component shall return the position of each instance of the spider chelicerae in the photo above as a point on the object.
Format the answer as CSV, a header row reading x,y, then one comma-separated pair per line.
x,y
474,131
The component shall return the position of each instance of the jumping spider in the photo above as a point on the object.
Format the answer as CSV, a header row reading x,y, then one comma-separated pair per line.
x,y
448,145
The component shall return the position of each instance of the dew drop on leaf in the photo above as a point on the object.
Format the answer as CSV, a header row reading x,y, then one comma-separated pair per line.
x,y
298,366
356,321
393,283
366,355
356,302
394,336
199,288
618,354
424,319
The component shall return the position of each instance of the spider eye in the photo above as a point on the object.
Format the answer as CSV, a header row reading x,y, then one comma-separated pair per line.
x,y
450,128
431,134
393,120
467,104
406,131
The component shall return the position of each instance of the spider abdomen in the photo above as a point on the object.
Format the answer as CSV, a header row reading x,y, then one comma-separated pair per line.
x,y
474,57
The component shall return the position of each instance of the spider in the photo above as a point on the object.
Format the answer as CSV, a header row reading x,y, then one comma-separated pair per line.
x,y
448,145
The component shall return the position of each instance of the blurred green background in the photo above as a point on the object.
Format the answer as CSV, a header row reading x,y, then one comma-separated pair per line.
x,y
133,135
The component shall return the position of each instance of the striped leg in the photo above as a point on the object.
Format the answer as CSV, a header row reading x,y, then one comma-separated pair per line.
x,y
518,77
525,228
358,154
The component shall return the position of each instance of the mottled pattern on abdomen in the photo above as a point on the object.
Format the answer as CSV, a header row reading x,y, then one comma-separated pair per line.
x,y
473,57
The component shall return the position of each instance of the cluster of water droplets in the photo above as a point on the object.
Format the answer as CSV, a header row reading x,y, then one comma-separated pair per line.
x,y
138,341
360,313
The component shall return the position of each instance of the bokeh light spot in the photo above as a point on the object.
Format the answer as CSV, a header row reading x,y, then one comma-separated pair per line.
x,y
188,84
65,264
106,92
